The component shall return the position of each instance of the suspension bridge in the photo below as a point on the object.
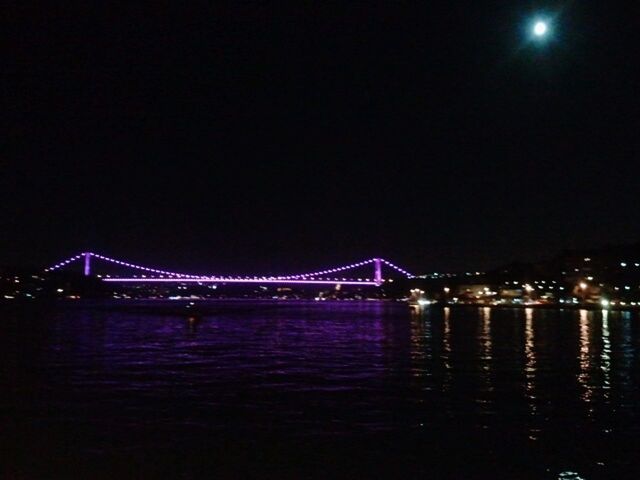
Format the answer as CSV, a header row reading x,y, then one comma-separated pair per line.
x,y
144,274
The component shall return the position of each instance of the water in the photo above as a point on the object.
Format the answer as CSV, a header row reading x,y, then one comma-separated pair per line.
x,y
317,390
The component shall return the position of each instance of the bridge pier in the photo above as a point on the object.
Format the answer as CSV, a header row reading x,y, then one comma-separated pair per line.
x,y
377,262
87,264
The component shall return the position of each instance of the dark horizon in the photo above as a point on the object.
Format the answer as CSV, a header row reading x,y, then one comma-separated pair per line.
x,y
252,139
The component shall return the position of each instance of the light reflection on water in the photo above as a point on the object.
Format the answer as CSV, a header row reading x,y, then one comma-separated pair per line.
x,y
561,386
530,370
446,355
585,358
605,355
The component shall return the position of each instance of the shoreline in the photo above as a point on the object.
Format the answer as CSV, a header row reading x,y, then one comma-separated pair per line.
x,y
545,306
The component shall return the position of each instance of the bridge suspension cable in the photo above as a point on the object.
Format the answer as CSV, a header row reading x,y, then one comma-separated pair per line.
x,y
310,276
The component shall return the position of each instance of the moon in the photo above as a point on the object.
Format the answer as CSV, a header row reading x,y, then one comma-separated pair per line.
x,y
540,29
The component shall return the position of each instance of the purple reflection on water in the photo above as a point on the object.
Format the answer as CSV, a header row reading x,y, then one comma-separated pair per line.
x,y
223,381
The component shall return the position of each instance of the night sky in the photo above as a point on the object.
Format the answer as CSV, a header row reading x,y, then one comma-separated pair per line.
x,y
256,138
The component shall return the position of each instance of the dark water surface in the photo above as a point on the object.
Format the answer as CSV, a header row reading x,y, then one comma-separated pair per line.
x,y
318,390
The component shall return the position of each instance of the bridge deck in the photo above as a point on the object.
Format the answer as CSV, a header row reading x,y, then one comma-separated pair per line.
x,y
238,280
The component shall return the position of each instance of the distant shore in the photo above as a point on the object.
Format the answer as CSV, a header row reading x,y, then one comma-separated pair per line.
x,y
199,306
539,306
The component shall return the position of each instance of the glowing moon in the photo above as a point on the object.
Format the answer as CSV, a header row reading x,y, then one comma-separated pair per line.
x,y
540,29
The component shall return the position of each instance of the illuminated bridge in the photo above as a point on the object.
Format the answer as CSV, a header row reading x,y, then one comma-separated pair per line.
x,y
150,275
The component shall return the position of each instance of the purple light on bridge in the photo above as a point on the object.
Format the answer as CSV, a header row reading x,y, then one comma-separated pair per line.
x,y
395,267
87,264
378,271
237,280
308,278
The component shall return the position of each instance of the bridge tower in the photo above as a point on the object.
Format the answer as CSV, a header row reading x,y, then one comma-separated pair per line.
x,y
377,262
87,264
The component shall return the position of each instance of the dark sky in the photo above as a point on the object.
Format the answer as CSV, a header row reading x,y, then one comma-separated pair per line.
x,y
256,138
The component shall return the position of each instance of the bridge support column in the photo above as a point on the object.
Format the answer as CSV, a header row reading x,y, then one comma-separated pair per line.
x,y
378,271
87,264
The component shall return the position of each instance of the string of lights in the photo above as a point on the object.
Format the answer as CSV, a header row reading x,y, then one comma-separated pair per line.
x,y
174,275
